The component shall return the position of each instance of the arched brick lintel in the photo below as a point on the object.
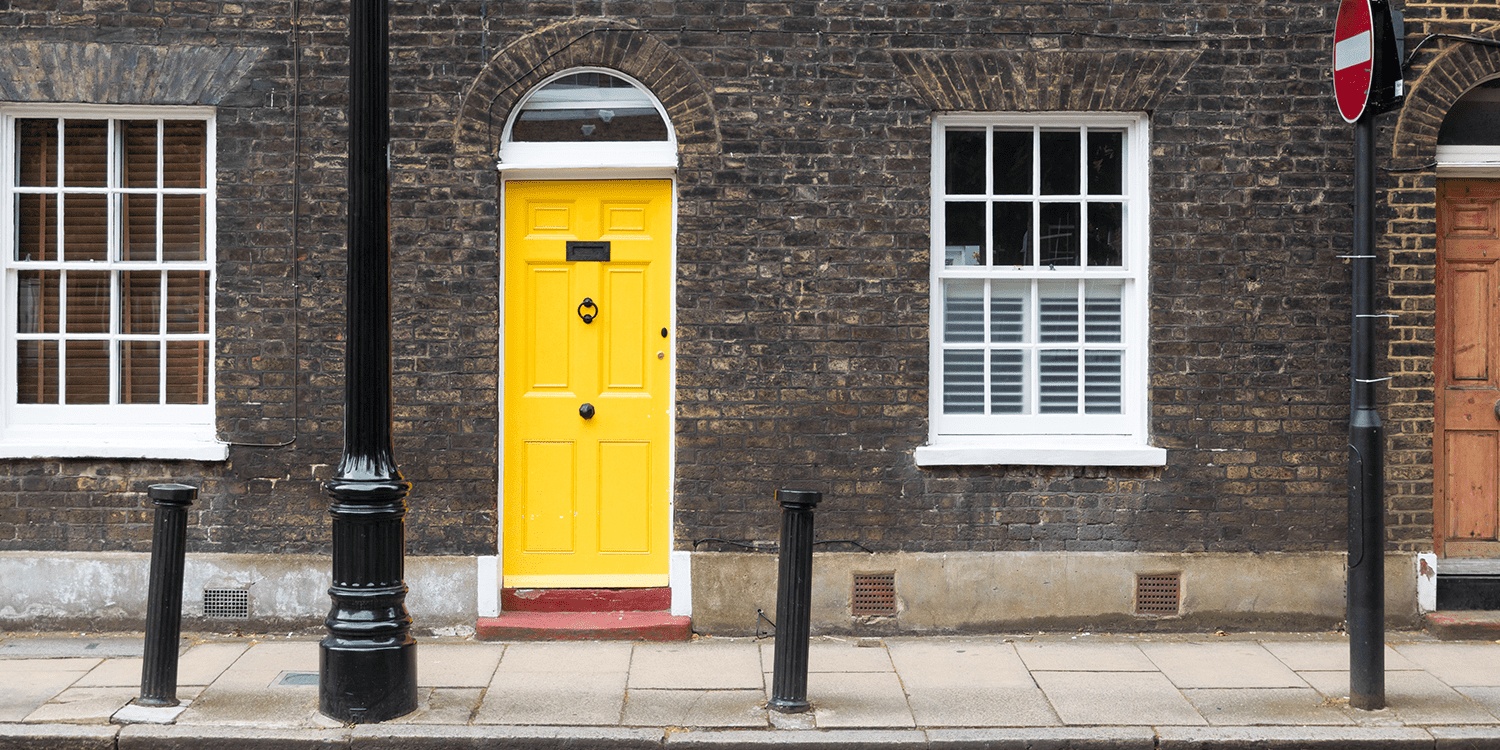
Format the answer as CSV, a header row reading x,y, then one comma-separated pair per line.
x,y
1450,75
517,68
1040,81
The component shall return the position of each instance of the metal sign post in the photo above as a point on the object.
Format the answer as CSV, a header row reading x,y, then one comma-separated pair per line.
x,y
1367,81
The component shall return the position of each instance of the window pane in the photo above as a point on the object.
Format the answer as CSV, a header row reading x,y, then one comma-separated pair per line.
x,y
1058,381
963,381
85,227
1008,381
963,311
1060,162
87,368
187,372
1058,312
36,153
187,302
1060,246
182,227
964,243
1103,312
589,107
37,293
138,162
36,227
1013,162
1106,162
140,372
87,307
36,372
140,302
1012,234
139,240
184,154
1008,311
963,165
1106,234
1102,382
86,153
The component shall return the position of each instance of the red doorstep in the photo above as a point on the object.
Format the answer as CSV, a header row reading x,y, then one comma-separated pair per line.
x,y
586,600
1463,625
585,626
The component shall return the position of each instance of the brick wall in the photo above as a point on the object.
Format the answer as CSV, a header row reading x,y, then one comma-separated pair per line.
x,y
803,281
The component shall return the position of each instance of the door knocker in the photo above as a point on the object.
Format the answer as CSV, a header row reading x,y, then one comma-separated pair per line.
x,y
589,303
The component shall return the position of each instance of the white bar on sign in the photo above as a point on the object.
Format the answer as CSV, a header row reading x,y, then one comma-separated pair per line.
x,y
1356,50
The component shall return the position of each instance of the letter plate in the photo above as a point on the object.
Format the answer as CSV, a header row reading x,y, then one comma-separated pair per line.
x,y
588,250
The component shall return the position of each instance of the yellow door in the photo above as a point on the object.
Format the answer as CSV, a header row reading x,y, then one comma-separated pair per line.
x,y
587,313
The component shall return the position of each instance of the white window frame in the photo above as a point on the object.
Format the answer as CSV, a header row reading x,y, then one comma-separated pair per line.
x,y
1082,440
159,431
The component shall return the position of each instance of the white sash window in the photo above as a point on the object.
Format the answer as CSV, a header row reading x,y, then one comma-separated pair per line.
x,y
1039,290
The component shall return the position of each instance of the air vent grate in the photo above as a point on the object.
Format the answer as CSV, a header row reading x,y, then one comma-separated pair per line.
x,y
1158,594
226,604
874,595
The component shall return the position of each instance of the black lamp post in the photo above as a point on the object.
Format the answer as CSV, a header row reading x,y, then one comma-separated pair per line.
x,y
368,661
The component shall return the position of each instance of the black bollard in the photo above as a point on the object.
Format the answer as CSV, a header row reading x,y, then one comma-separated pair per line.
x,y
793,601
164,600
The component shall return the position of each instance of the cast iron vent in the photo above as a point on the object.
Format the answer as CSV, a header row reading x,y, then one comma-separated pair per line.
x,y
226,604
874,594
1158,594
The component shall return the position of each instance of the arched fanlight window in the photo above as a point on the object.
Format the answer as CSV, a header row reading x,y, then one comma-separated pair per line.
x,y
588,118
1470,136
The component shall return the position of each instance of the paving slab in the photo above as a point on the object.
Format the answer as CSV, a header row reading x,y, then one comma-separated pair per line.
x,y
1292,738
835,657
1465,664
26,684
1414,698
859,700
137,714
1043,738
83,705
1326,656
1264,706
954,663
566,656
980,707
52,647
443,706
199,665
1232,664
1084,657
468,665
695,708
696,666
543,698
1116,698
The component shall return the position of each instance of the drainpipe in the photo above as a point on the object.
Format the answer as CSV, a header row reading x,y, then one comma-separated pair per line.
x,y
367,670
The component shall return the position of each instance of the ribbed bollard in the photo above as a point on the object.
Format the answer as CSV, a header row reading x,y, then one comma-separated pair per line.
x,y
164,597
793,601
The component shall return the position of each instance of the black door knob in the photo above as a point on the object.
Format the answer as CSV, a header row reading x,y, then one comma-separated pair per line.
x,y
586,411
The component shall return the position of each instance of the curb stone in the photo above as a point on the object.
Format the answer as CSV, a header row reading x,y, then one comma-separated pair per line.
x,y
1293,738
1466,737
501,737
209,737
802,739
57,737
1043,738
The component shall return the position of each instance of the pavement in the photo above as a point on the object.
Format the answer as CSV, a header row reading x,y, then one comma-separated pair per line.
x,y
1034,691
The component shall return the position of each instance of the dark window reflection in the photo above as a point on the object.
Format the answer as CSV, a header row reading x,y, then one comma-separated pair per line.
x,y
1060,163
964,163
1106,234
1106,163
964,236
1012,234
1012,162
1060,230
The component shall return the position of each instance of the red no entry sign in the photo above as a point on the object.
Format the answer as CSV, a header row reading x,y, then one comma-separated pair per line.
x,y
1353,57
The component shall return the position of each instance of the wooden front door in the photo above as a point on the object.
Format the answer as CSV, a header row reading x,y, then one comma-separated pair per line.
x,y
587,403
1466,439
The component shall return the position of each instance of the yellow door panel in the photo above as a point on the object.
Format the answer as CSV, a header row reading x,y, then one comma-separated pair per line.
x,y
549,512
585,498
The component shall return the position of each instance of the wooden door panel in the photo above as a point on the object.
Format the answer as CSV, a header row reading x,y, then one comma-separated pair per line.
x,y
1469,335
1471,480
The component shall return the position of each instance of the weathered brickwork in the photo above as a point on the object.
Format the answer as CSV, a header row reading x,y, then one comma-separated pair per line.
x,y
802,279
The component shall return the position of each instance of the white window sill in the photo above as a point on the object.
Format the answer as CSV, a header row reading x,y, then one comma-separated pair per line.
x,y
95,447
1033,450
